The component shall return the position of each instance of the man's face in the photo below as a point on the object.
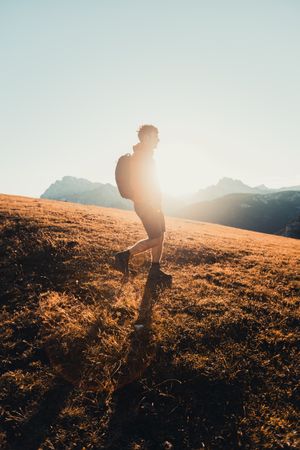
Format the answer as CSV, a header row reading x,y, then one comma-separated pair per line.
x,y
151,139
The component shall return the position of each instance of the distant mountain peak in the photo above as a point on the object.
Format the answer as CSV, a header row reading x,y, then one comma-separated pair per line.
x,y
69,185
69,178
261,186
226,181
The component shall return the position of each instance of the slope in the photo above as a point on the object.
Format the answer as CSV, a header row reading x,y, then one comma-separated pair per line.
x,y
214,367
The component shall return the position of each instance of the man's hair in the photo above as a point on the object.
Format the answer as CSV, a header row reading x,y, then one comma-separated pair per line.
x,y
146,129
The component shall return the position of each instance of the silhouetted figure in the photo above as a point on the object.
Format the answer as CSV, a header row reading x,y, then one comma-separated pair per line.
x,y
146,197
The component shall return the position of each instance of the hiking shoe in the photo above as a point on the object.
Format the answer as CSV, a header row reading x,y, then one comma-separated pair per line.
x,y
121,261
160,277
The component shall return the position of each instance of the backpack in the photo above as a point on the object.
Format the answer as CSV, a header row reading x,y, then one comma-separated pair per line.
x,y
123,176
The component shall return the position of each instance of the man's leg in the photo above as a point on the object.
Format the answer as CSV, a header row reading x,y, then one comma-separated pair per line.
x,y
122,258
143,245
156,251
156,273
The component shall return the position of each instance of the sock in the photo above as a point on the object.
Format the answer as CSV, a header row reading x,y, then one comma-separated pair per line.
x,y
155,265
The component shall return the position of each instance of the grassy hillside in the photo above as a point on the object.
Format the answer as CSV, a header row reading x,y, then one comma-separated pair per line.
x,y
215,367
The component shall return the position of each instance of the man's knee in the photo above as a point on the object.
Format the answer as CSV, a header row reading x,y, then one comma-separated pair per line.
x,y
156,240
159,239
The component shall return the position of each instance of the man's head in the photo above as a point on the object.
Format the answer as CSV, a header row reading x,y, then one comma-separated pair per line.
x,y
148,135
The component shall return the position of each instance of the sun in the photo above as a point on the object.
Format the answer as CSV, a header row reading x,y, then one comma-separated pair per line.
x,y
175,174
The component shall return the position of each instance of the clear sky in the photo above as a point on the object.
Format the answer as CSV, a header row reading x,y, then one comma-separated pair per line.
x,y
221,80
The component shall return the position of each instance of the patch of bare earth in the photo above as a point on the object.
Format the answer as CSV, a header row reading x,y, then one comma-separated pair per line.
x,y
215,366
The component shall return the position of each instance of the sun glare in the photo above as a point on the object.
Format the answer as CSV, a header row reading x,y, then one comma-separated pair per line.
x,y
176,176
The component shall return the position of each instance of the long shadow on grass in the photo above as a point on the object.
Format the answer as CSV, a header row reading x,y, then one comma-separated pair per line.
x,y
186,411
34,431
189,413
141,348
171,407
142,351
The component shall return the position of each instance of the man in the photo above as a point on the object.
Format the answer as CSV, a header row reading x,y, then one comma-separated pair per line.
x,y
147,205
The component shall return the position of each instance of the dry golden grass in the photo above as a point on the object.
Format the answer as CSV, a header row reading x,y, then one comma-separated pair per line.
x,y
216,365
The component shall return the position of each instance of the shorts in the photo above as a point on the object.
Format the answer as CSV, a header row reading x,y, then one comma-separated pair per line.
x,y
152,218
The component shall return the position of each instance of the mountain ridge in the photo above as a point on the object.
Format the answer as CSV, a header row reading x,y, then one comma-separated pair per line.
x,y
271,218
268,213
226,185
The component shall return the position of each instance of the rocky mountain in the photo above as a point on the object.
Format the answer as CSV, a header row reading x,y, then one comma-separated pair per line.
x,y
267,213
80,190
61,189
230,186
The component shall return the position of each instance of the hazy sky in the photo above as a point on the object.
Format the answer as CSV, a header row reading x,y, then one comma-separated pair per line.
x,y
221,80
